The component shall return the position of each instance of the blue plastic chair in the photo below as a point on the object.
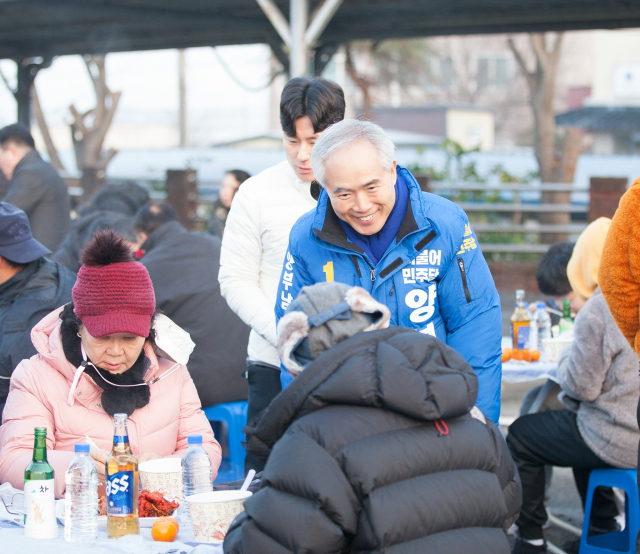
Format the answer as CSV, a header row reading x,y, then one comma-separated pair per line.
x,y
234,416
620,541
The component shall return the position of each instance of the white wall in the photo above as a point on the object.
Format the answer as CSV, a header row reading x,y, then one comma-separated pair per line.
x,y
616,68
471,128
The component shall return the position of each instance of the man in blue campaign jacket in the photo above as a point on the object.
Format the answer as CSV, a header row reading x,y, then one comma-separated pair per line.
x,y
413,251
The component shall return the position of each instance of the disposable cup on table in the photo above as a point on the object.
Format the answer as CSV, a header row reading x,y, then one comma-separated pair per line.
x,y
553,348
212,513
164,476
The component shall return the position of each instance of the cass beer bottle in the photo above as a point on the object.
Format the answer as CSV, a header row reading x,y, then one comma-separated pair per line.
x,y
520,322
121,476
39,492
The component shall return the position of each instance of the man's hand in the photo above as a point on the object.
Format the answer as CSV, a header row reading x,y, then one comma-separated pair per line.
x,y
99,458
148,456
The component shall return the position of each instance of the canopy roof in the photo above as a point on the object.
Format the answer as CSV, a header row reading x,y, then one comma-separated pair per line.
x,y
602,118
30,28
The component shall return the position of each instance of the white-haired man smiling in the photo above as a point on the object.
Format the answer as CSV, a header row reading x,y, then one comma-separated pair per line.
x,y
413,251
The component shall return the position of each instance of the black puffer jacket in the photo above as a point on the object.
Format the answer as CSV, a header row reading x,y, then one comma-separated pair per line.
x,y
372,449
184,268
41,287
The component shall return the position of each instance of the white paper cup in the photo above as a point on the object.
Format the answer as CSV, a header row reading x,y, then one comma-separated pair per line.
x,y
164,476
553,348
213,512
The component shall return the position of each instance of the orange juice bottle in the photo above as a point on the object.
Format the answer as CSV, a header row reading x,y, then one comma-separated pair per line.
x,y
520,321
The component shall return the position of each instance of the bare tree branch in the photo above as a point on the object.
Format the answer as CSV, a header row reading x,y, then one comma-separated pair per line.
x,y
103,126
557,47
102,164
363,82
99,85
44,130
528,75
540,49
6,82
90,128
78,120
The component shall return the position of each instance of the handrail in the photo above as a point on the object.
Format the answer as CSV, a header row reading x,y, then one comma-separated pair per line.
x,y
519,228
471,207
544,187
515,248
518,207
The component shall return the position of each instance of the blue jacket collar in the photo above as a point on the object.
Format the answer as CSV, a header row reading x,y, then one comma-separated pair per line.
x,y
326,225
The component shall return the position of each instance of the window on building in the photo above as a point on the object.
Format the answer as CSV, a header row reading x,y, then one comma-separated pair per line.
x,y
447,73
492,71
482,77
502,74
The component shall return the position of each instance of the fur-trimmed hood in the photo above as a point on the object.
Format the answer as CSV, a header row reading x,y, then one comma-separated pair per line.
x,y
322,316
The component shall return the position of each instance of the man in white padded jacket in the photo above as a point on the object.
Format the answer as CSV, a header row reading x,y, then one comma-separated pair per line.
x,y
257,230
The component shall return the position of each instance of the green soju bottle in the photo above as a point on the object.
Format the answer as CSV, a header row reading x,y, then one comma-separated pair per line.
x,y
121,473
39,492
566,322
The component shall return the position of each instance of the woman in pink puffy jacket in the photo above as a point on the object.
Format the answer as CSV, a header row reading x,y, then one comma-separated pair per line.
x,y
97,357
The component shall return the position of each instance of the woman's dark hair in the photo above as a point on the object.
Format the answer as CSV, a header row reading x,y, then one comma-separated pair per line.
x,y
551,272
321,100
241,176
152,215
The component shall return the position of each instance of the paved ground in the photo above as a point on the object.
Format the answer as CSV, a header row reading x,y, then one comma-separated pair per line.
x,y
564,501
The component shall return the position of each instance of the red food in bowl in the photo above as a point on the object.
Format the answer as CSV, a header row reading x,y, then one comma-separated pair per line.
x,y
150,504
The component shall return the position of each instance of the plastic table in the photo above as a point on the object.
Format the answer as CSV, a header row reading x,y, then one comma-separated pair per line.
x,y
520,372
12,539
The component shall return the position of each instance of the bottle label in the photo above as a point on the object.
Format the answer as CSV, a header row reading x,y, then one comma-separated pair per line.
x,y
40,505
120,494
121,439
520,336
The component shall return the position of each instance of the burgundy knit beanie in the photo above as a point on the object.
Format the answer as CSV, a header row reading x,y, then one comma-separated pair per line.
x,y
113,293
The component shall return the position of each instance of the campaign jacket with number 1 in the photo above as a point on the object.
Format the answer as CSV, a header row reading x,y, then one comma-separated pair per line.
x,y
433,278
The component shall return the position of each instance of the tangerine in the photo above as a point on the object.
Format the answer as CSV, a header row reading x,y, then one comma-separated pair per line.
x,y
535,355
517,355
165,529
506,354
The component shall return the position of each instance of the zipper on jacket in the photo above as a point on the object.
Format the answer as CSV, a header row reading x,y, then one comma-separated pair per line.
x,y
463,274
393,288
373,271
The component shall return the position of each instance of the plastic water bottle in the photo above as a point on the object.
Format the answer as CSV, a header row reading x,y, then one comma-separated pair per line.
x,y
196,473
81,499
543,324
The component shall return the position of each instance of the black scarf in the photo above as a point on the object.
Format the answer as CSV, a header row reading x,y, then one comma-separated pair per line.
x,y
115,400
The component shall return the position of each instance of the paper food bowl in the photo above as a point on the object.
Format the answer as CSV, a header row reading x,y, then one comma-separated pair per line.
x,y
164,475
554,347
212,513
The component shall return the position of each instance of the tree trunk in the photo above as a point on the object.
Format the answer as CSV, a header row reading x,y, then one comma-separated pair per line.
x,y
88,140
363,82
553,168
44,130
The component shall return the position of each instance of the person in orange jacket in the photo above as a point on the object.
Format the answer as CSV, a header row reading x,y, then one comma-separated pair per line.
x,y
619,273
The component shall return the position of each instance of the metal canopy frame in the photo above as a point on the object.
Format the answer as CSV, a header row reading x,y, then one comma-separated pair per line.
x,y
30,28
36,30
